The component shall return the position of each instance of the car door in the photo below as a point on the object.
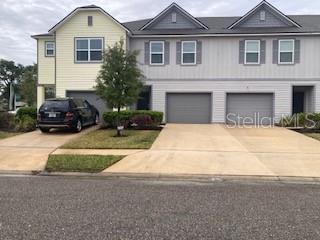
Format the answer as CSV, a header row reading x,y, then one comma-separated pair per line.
x,y
87,113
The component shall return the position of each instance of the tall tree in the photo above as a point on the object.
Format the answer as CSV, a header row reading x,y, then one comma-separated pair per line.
x,y
119,82
28,85
10,73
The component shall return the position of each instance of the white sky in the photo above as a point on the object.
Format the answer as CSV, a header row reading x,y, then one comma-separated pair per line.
x,y
21,18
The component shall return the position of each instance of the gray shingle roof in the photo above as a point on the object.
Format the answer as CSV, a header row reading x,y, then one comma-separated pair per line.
x,y
219,25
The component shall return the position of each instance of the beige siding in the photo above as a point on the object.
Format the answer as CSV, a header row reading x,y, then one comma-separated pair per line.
x,y
45,64
220,60
72,76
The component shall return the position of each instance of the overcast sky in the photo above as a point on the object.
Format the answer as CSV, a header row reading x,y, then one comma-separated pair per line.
x,y
21,18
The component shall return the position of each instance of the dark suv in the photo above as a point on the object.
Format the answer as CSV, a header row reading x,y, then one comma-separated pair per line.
x,y
67,113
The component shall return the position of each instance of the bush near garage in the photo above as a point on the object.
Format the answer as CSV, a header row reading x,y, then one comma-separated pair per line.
x,y
140,118
7,121
302,120
26,119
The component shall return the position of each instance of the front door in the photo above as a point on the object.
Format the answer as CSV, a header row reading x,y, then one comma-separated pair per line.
x,y
298,102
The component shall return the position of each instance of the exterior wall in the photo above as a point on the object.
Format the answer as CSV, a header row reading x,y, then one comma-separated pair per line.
x,y
40,96
166,22
282,93
45,64
220,60
271,20
82,76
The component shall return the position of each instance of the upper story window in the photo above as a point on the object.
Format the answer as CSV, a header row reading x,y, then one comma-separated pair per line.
x,y
156,52
88,49
50,49
286,51
262,15
188,53
252,52
90,21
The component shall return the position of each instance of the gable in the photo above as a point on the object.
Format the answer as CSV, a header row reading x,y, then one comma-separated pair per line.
x,y
272,17
174,17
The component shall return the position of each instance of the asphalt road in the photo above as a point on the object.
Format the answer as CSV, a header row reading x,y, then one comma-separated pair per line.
x,y
76,208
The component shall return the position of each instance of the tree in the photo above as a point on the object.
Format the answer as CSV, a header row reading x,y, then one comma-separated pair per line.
x,y
28,85
10,73
119,82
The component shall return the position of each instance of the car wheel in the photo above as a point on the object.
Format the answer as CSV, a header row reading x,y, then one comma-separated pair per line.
x,y
44,130
79,126
97,119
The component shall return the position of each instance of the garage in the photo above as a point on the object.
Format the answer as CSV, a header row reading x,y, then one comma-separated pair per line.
x,y
188,107
91,97
249,108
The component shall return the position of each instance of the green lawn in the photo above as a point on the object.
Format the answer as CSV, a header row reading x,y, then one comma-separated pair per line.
x,y
106,139
313,135
80,163
7,134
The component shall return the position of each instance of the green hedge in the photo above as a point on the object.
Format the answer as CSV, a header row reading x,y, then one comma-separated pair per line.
x,y
302,120
6,120
127,117
27,111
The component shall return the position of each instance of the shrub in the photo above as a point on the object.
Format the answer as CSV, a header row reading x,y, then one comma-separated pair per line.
x,y
27,111
25,124
6,120
127,118
142,120
302,120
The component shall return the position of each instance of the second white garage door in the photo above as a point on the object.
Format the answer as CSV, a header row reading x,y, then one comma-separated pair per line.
x,y
249,108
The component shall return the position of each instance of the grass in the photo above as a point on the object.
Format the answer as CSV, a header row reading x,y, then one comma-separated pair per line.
x,y
7,134
105,139
313,135
80,163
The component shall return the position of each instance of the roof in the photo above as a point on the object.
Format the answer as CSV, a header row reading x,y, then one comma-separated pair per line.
x,y
181,10
44,35
268,6
88,7
219,25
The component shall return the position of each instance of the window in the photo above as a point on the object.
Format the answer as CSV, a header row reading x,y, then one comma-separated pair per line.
x,y
89,49
174,18
157,53
286,51
188,52
252,52
90,21
50,49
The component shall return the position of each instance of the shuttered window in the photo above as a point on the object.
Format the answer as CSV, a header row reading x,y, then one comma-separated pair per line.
x,y
252,52
188,53
286,51
156,52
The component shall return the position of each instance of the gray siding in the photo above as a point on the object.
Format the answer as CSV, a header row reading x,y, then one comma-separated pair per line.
x,y
271,20
220,60
166,22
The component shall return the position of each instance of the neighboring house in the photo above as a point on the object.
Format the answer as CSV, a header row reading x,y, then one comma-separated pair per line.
x,y
198,70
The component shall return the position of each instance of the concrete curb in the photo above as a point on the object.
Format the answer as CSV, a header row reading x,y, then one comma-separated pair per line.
x,y
169,177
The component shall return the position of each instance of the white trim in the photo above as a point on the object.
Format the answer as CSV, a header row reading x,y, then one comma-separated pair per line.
x,y
225,35
150,52
46,49
167,9
88,49
195,52
259,5
245,52
279,51
59,24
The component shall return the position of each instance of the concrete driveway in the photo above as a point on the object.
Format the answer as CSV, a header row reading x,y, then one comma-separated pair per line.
x,y
217,149
30,151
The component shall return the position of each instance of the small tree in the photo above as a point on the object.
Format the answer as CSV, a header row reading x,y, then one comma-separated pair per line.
x,y
28,85
119,82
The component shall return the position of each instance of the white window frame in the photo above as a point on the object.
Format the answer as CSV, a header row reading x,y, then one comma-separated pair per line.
x,y
88,49
279,51
246,51
46,49
195,53
162,53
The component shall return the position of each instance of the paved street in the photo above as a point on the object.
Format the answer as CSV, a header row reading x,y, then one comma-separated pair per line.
x,y
78,208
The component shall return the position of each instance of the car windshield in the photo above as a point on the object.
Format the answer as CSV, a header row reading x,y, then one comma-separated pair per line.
x,y
54,104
